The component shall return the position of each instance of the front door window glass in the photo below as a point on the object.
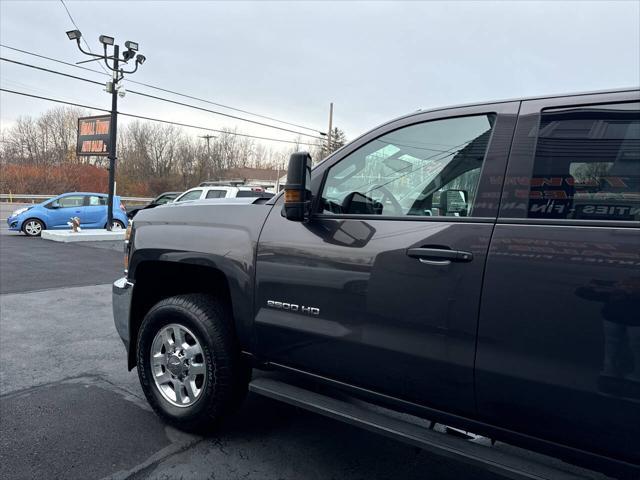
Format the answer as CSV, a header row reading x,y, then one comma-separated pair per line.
x,y
429,169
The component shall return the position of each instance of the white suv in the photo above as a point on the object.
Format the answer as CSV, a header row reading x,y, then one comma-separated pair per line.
x,y
220,191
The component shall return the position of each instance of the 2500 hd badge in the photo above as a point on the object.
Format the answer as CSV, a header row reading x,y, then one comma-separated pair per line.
x,y
292,307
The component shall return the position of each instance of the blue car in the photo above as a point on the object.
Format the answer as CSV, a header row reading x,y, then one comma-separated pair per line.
x,y
53,214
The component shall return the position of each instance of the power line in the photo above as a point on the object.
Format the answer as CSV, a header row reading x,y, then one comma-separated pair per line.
x,y
266,117
78,28
223,114
142,117
173,92
74,104
159,120
50,71
155,97
99,83
26,52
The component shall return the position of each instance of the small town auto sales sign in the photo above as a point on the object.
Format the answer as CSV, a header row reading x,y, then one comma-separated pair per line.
x,y
94,136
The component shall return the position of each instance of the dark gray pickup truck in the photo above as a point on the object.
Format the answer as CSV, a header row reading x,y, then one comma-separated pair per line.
x,y
478,266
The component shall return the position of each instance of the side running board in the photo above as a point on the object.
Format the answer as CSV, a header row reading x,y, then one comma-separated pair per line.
x,y
458,449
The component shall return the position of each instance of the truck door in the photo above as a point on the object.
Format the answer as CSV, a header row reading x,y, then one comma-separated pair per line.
x,y
559,332
381,288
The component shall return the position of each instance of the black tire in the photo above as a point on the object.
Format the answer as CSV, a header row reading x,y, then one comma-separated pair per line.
x,y
28,231
227,373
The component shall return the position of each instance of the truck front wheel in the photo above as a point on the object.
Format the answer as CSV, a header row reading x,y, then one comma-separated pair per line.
x,y
189,362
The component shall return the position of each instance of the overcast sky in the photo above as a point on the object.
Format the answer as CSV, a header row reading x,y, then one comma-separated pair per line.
x,y
374,60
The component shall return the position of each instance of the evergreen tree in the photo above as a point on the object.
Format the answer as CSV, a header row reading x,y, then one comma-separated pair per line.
x,y
338,140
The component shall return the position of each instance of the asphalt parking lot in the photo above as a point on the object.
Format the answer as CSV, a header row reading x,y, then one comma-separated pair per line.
x,y
69,409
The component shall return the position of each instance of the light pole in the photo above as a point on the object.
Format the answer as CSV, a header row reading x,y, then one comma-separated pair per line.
x,y
112,88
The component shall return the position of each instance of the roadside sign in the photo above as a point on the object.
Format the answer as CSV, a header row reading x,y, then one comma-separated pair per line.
x,y
94,136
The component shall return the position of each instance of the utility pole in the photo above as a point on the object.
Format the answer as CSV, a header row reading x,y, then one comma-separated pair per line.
x,y
278,176
330,128
112,87
208,138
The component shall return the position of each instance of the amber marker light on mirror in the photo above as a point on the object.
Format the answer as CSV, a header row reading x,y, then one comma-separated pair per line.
x,y
291,196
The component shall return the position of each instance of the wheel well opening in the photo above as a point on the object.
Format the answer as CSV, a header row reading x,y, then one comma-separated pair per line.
x,y
156,280
44,225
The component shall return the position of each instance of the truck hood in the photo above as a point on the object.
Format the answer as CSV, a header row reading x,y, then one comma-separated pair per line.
x,y
212,211
217,201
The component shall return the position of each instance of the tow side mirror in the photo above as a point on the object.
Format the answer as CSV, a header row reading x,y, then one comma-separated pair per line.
x,y
297,191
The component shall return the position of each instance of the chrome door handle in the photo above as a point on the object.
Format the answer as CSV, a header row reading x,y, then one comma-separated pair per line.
x,y
439,256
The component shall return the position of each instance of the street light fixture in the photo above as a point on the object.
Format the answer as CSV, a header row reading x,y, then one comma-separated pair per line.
x,y
74,34
112,87
128,55
105,40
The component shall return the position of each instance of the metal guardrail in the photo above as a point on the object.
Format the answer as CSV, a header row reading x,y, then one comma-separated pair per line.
x,y
10,197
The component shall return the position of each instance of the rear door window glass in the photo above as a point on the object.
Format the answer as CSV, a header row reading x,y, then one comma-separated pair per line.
x,y
216,193
248,193
587,164
95,201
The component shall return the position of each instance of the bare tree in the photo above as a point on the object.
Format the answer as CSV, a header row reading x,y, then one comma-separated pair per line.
x,y
48,140
151,157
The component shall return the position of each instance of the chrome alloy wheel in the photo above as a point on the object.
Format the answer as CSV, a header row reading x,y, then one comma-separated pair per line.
x,y
177,365
33,227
